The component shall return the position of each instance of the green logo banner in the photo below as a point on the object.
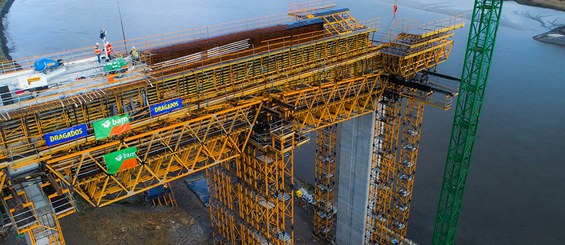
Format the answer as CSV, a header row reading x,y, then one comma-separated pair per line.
x,y
120,160
110,126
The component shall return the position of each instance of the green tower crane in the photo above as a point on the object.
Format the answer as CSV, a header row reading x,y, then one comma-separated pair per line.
x,y
480,45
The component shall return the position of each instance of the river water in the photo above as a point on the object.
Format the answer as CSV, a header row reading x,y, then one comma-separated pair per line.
x,y
516,188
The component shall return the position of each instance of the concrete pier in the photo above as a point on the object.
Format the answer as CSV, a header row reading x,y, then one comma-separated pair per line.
x,y
355,161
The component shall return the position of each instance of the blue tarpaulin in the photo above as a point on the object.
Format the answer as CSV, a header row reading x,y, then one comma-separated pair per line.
x,y
198,185
155,192
330,12
302,23
43,64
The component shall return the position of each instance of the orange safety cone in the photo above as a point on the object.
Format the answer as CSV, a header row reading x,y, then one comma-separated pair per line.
x,y
110,78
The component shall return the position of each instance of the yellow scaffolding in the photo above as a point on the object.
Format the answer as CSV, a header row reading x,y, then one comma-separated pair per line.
x,y
405,172
165,154
243,115
255,189
324,182
383,168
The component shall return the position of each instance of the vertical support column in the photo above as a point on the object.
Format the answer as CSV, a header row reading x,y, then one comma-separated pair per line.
x,y
406,170
324,208
283,143
354,166
251,200
384,161
223,203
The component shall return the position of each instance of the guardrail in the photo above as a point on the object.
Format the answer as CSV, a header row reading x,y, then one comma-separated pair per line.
x,y
149,42
302,8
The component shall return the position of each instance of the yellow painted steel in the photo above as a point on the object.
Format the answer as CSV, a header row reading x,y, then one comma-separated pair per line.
x,y
21,140
324,182
407,63
2,178
164,154
383,169
22,211
48,230
319,105
411,121
254,190
243,115
339,23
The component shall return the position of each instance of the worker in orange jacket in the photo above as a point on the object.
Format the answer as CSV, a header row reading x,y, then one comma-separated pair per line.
x,y
109,50
97,51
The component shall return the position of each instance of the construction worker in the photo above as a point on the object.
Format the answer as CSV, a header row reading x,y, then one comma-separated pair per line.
x,y
134,54
109,50
97,51
119,54
299,193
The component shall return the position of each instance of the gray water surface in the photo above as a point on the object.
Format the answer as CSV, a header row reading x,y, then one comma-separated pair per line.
x,y
516,188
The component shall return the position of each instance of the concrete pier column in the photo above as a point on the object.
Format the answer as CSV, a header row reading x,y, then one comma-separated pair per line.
x,y
354,170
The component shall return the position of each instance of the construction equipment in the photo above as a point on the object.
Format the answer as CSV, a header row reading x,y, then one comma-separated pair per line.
x,y
235,105
45,64
478,56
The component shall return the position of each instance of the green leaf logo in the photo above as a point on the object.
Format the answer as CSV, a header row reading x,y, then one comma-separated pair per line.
x,y
106,124
119,157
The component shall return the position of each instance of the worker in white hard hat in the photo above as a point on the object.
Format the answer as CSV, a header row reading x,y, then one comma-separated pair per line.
x,y
97,51
134,54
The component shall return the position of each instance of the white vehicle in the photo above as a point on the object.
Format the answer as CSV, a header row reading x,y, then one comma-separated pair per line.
x,y
33,82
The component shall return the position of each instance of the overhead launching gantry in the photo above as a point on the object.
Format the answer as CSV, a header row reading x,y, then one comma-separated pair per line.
x,y
248,103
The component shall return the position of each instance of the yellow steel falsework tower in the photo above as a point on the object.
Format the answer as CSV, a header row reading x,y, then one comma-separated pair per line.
x,y
325,182
246,108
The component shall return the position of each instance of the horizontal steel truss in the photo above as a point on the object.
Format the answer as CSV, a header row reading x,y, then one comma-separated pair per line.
x,y
383,167
118,190
251,200
324,182
21,135
340,23
315,106
408,54
409,65
164,154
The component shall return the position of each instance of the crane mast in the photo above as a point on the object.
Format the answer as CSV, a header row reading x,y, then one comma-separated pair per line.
x,y
478,56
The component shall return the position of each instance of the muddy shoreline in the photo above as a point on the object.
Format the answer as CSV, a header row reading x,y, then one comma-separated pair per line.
x,y
5,5
555,36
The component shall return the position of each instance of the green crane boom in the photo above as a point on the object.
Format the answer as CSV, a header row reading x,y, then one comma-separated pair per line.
x,y
480,45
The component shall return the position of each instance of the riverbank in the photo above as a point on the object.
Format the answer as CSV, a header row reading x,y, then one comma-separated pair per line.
x,y
4,8
552,4
555,36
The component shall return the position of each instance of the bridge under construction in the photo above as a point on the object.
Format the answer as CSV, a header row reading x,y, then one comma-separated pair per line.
x,y
233,101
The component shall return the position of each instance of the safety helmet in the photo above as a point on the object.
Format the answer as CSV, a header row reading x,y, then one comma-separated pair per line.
x,y
133,47
97,44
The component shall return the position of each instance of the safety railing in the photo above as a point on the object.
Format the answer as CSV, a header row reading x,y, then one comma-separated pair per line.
x,y
373,23
302,8
153,41
61,91
438,26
